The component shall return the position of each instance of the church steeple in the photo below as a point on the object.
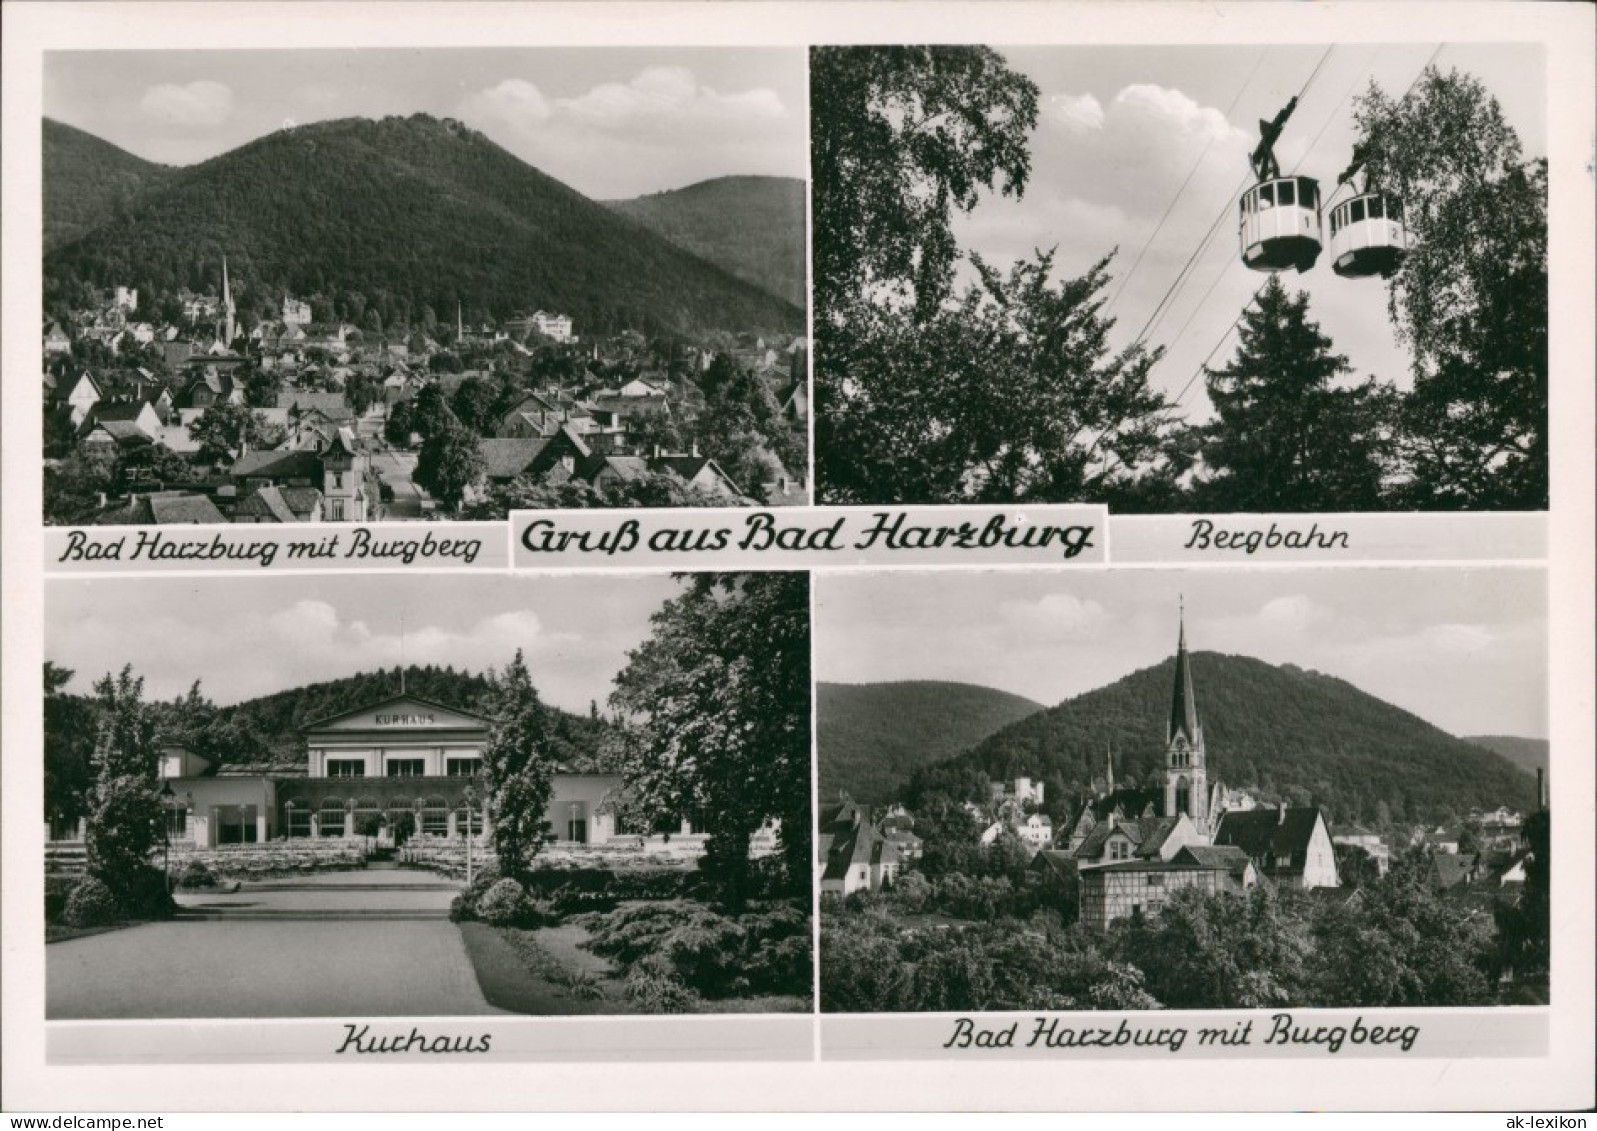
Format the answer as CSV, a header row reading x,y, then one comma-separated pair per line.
x,y
227,328
1183,703
1186,774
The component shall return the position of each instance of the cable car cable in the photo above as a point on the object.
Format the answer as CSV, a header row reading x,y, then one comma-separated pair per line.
x,y
1187,267
1159,227
1254,297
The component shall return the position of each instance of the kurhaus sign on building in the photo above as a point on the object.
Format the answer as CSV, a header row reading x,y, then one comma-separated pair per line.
x,y
376,764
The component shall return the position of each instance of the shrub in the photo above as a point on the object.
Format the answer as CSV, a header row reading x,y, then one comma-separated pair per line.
x,y
91,904
144,894
196,875
652,992
767,950
463,908
507,904
57,890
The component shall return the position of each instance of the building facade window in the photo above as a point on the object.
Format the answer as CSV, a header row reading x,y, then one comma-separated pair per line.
x,y
331,818
462,767
435,817
177,824
346,767
299,820
407,767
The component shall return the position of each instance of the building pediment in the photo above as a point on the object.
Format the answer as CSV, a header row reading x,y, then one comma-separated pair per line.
x,y
402,713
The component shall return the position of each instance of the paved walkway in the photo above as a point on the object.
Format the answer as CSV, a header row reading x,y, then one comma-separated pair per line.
x,y
346,944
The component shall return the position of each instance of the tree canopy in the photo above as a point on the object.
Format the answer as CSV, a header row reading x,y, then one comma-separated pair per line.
x,y
1286,436
1470,298
717,704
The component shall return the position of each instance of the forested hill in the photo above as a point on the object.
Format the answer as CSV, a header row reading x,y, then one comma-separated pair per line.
x,y
752,226
872,736
87,180
277,718
412,213
1529,754
1285,733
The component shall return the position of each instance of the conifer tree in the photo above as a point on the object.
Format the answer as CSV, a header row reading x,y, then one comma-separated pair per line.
x,y
1286,435
519,769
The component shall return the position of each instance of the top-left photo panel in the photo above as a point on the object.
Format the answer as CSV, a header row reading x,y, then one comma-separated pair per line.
x,y
389,285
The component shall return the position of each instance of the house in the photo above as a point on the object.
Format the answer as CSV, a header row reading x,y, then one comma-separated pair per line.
x,y
1144,838
81,396
1141,888
140,414
556,457
163,508
296,312
1057,873
401,761
699,472
1356,836
280,504
1290,845
1023,791
551,325
1036,832
1447,871
56,340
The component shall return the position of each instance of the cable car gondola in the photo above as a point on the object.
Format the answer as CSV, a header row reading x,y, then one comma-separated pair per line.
x,y
1280,224
1279,217
1368,235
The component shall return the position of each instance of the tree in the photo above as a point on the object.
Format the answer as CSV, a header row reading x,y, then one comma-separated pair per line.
x,y
1012,394
224,429
449,463
474,403
717,708
900,137
1285,437
1402,944
520,771
69,743
75,488
1470,298
127,821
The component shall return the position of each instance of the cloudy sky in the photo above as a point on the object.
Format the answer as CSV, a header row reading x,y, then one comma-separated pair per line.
x,y
243,637
1121,128
1464,649
609,122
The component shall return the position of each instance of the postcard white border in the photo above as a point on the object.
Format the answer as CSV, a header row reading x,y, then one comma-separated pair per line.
x,y
1561,1080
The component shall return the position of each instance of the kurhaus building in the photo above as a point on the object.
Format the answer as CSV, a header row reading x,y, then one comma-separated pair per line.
x,y
401,764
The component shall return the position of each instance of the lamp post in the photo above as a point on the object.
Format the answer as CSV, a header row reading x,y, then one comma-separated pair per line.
x,y
167,796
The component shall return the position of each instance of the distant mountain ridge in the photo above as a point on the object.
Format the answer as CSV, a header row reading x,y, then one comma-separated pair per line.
x,y
86,180
413,213
753,227
872,736
1296,735
1529,754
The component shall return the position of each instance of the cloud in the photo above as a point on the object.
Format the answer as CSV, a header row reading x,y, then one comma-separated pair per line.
x,y
1178,112
1055,614
1074,111
310,640
1296,612
661,128
195,104
514,102
669,92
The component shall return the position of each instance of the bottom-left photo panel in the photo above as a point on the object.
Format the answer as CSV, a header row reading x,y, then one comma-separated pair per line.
x,y
445,796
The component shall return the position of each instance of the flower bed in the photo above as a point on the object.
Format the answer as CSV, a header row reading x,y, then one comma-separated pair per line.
x,y
274,858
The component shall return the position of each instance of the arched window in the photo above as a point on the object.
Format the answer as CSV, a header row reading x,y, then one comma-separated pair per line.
x,y
332,816
435,817
366,814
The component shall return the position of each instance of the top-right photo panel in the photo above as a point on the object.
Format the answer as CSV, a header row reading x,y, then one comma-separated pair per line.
x,y
1303,278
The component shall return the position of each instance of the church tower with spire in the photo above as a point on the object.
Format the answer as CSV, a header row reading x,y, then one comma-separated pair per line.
x,y
227,325
1186,772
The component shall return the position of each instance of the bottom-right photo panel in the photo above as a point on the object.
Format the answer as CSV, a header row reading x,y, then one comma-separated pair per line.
x,y
1182,789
